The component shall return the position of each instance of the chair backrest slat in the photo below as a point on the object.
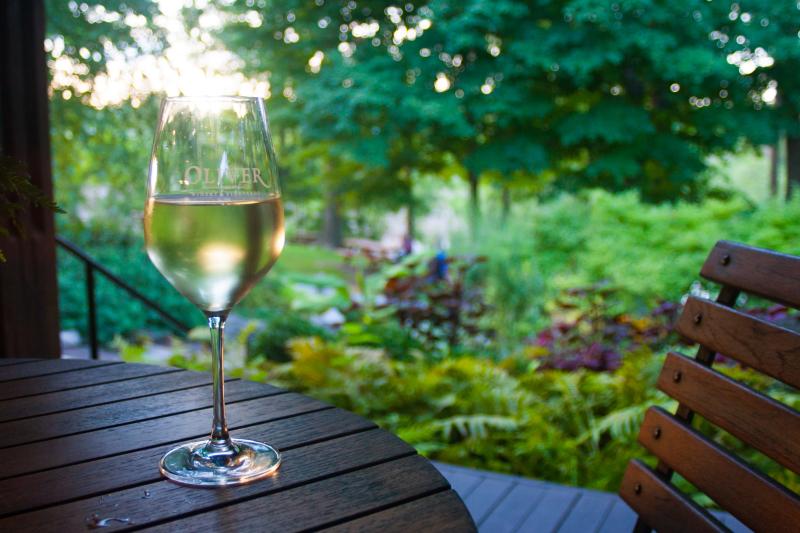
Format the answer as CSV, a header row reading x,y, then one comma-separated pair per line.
x,y
771,427
755,499
764,273
661,505
758,420
764,346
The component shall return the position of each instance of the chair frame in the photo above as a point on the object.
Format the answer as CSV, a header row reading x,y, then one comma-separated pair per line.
x,y
771,427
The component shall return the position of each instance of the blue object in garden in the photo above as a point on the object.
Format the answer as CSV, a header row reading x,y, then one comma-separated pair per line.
x,y
440,265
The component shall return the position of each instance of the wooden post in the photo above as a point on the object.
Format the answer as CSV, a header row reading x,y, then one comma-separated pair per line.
x,y
28,288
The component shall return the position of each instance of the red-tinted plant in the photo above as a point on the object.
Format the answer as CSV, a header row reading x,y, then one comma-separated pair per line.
x,y
443,302
588,334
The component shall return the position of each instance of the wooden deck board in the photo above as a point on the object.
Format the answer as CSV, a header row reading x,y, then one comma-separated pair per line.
x,y
485,497
588,512
509,513
620,518
502,503
462,480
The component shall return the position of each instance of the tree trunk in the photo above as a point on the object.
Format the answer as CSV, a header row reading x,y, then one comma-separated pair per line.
x,y
505,203
773,170
474,202
332,219
792,165
410,221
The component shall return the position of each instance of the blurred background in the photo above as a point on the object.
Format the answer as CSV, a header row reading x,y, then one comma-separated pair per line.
x,y
494,208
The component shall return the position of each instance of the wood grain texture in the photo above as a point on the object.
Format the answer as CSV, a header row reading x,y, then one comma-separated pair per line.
x,y
440,513
163,500
16,361
485,497
94,395
766,347
125,411
29,324
765,273
33,386
513,509
660,504
327,502
48,366
755,499
551,511
589,511
29,458
620,518
90,446
758,420
91,478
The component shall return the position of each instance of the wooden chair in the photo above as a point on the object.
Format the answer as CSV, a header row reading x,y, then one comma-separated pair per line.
x,y
765,424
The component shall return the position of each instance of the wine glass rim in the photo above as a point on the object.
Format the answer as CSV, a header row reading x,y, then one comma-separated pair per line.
x,y
224,98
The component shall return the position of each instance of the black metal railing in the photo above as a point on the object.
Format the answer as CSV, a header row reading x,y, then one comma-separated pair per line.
x,y
91,266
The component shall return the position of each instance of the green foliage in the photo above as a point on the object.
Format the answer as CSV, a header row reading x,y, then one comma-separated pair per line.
x,y
647,253
96,25
103,196
626,95
278,329
398,342
16,193
117,312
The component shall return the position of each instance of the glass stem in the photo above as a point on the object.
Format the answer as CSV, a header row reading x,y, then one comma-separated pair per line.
x,y
219,429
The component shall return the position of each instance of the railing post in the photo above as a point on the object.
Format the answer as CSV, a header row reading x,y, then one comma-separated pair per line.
x,y
90,301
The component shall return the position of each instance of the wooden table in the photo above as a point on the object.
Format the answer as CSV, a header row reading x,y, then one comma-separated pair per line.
x,y
81,442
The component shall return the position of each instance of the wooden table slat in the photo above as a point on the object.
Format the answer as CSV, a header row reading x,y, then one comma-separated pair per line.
x,y
49,366
164,500
82,439
93,395
325,503
124,412
112,441
17,361
76,380
442,512
140,467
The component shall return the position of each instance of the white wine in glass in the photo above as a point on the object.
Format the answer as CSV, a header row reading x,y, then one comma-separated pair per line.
x,y
213,251
213,224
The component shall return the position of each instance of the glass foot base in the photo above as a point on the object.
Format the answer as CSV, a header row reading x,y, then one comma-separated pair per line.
x,y
212,464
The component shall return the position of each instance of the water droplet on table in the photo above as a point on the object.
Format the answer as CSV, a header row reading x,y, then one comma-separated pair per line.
x,y
95,522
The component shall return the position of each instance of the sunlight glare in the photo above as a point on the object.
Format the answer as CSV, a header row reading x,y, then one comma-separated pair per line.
x,y
442,83
189,66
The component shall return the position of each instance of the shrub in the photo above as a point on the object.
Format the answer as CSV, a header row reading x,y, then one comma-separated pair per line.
x,y
650,253
117,311
279,327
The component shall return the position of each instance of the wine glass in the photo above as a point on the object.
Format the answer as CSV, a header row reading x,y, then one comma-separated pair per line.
x,y
213,225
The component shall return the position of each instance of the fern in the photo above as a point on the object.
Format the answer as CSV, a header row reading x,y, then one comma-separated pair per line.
x,y
623,422
474,426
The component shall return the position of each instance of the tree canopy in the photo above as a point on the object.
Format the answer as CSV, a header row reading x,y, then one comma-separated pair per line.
x,y
622,95
535,95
